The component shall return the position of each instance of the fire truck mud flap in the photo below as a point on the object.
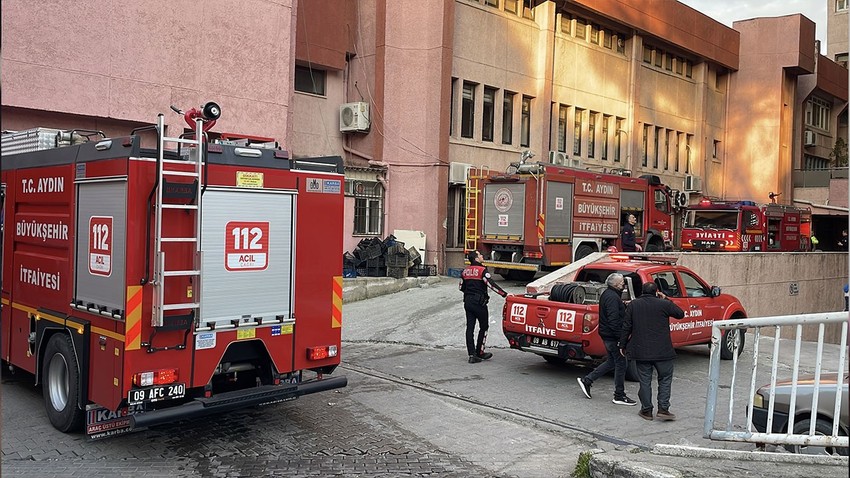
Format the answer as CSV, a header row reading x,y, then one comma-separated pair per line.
x,y
234,400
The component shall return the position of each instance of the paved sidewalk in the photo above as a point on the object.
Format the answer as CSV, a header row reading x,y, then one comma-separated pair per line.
x,y
687,457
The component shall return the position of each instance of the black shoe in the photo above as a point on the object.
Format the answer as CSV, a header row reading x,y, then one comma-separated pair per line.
x,y
665,415
485,356
584,384
646,414
624,400
475,359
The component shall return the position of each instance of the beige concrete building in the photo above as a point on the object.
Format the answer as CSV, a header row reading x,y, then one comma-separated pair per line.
x,y
410,93
837,31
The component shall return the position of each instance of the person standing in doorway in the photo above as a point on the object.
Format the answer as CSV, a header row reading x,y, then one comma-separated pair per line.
x,y
842,242
645,338
475,280
627,238
611,314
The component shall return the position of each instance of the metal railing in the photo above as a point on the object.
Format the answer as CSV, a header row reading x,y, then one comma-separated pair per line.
x,y
773,430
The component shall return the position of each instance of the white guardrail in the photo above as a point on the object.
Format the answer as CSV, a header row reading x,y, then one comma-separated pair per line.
x,y
784,407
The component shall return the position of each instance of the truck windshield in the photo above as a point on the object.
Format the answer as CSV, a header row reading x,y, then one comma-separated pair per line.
x,y
713,219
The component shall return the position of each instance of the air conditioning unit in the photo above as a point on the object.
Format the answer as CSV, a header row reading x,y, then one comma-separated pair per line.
x,y
354,117
458,173
692,183
575,163
810,138
557,157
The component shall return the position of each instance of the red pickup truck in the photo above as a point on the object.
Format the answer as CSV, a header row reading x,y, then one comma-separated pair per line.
x,y
563,325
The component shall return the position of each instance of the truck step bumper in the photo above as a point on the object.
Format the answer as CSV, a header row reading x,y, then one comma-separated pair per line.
x,y
235,400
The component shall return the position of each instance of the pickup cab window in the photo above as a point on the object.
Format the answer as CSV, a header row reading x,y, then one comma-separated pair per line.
x,y
667,283
600,275
693,287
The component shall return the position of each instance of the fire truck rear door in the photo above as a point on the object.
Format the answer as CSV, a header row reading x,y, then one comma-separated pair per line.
x,y
247,243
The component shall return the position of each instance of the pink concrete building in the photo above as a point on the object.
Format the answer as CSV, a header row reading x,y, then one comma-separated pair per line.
x,y
412,94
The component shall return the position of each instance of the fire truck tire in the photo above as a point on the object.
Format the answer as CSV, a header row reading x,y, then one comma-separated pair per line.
x,y
654,247
727,343
583,251
60,384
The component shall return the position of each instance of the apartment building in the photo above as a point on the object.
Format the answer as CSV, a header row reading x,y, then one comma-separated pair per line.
x,y
411,94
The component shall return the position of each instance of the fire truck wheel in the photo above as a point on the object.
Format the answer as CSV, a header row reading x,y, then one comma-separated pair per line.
x,y
728,342
60,375
583,251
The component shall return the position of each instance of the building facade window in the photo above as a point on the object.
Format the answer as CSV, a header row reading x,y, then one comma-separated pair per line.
x,y
489,108
677,153
817,113
659,57
618,141
492,3
645,146
456,215
525,123
452,111
577,132
841,59
605,121
647,54
467,110
591,135
688,153
814,162
508,118
511,6
368,207
581,28
527,9
658,132
310,80
562,128
840,5
715,153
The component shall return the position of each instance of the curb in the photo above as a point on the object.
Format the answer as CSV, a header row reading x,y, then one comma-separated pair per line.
x,y
361,288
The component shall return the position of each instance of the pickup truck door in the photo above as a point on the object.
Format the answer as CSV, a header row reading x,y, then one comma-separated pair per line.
x,y
668,283
702,309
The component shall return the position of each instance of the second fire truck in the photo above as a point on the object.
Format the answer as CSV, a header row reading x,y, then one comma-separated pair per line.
x,y
541,216
734,226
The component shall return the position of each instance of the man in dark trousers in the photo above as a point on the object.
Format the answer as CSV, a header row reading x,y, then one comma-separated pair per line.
x,y
474,283
628,236
646,340
611,315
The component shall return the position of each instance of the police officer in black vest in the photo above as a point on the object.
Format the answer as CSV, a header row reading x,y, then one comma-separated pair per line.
x,y
474,283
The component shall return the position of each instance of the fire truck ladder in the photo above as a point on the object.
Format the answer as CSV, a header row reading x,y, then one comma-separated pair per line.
x,y
167,168
471,224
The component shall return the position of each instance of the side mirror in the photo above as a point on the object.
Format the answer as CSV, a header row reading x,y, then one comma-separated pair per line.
x,y
715,291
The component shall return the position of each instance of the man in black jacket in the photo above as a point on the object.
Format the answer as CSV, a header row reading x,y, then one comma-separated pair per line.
x,y
611,314
646,340
474,283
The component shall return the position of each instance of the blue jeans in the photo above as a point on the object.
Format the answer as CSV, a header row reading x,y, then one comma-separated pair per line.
x,y
616,362
665,382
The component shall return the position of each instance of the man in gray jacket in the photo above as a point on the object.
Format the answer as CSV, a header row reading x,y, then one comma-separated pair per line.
x,y
611,313
645,338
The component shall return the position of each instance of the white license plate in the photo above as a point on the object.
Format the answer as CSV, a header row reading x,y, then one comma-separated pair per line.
x,y
154,394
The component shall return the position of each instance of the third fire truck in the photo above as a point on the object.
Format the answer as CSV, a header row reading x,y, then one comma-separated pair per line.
x,y
541,216
734,226
142,285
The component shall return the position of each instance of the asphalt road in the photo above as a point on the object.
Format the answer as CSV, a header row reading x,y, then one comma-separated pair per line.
x,y
413,407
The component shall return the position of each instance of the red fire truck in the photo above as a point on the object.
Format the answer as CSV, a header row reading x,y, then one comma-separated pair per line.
x,y
541,216
715,225
145,285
